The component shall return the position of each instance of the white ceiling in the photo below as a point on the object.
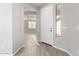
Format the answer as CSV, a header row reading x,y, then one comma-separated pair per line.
x,y
38,5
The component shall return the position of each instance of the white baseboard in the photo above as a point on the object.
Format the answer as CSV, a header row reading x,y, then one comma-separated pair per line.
x,y
18,50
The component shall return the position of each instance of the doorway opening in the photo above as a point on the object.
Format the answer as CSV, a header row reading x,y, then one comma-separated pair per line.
x,y
31,25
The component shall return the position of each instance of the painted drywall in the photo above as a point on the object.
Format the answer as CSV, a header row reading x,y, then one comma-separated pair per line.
x,y
5,29
69,39
47,13
17,26
11,28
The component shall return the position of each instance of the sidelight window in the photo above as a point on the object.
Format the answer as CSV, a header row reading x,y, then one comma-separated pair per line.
x,y
58,20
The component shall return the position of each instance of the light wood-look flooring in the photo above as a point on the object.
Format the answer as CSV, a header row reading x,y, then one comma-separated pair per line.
x,y
32,48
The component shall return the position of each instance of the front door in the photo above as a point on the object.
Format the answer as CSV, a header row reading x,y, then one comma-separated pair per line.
x,y
47,23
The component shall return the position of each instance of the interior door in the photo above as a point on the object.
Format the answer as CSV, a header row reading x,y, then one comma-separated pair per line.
x,y
47,25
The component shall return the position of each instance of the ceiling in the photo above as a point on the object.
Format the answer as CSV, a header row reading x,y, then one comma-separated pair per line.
x,y
38,5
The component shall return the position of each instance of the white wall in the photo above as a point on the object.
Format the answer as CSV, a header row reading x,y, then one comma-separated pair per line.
x,y
70,36
5,28
18,26
11,28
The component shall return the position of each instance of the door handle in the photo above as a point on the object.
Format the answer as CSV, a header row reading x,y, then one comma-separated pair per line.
x,y
50,29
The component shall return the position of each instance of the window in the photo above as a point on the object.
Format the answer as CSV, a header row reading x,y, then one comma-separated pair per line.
x,y
31,25
58,20
59,28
